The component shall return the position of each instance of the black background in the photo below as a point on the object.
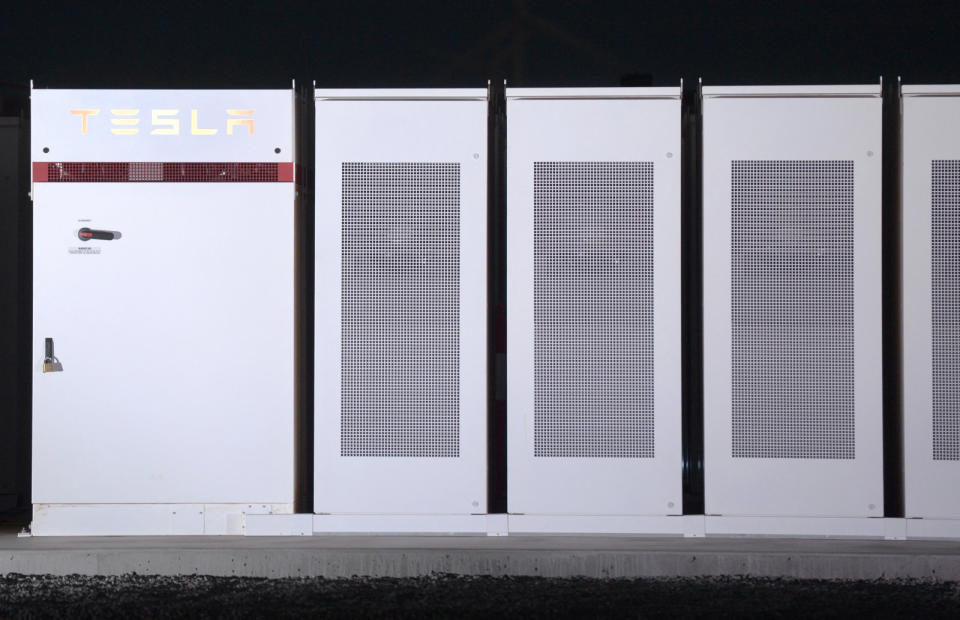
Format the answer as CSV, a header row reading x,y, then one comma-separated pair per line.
x,y
431,44
418,44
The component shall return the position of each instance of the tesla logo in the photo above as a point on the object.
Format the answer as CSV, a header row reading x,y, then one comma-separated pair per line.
x,y
166,122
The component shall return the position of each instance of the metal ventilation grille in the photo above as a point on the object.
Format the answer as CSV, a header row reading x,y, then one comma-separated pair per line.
x,y
945,227
593,309
162,172
400,392
792,309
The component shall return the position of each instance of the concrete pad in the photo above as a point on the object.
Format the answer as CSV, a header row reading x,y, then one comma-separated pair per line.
x,y
548,556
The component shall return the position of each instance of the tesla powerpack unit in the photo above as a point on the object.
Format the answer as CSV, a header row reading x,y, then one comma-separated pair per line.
x,y
791,305
931,309
401,311
593,323
163,328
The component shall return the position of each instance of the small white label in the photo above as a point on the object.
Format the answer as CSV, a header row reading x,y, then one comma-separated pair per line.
x,y
90,250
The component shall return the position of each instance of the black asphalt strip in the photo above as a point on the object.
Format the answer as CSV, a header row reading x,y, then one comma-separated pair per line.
x,y
447,596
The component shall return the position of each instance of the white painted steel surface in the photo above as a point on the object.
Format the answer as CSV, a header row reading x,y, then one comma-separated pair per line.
x,y
930,90
817,90
645,92
176,342
170,125
933,528
379,133
613,126
148,519
401,524
806,527
645,525
930,132
401,94
176,339
277,524
792,127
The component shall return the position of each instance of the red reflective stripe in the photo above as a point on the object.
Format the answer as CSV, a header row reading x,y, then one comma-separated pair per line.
x,y
39,172
163,172
285,172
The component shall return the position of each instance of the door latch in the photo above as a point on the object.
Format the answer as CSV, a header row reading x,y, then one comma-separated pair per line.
x,y
50,361
86,234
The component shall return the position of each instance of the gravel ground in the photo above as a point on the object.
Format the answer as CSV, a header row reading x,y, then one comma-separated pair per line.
x,y
447,596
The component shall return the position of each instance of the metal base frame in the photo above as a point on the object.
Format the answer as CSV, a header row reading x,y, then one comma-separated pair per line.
x,y
279,520
807,527
933,528
644,525
403,523
146,519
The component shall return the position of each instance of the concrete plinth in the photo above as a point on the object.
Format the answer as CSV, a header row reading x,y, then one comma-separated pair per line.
x,y
550,556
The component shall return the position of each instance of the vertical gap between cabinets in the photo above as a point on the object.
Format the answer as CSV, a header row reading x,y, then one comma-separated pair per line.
x,y
893,491
24,346
497,299
304,301
691,246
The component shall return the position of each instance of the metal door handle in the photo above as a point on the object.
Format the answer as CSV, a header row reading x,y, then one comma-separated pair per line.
x,y
50,361
86,234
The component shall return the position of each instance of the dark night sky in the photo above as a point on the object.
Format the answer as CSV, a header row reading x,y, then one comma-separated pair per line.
x,y
420,43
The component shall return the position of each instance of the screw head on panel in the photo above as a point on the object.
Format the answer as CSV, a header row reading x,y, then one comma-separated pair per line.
x,y
46,149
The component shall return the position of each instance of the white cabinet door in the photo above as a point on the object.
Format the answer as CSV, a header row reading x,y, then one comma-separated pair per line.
x,y
793,409
593,325
931,301
401,277
175,339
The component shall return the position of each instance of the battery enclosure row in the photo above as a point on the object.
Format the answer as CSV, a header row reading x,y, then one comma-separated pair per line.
x,y
174,411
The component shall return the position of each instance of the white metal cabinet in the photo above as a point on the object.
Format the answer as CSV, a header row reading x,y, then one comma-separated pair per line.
x,y
401,276
791,302
163,276
593,325
931,306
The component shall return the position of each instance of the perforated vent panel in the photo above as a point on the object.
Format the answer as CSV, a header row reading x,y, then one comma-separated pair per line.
x,y
945,227
593,309
400,372
161,172
792,309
